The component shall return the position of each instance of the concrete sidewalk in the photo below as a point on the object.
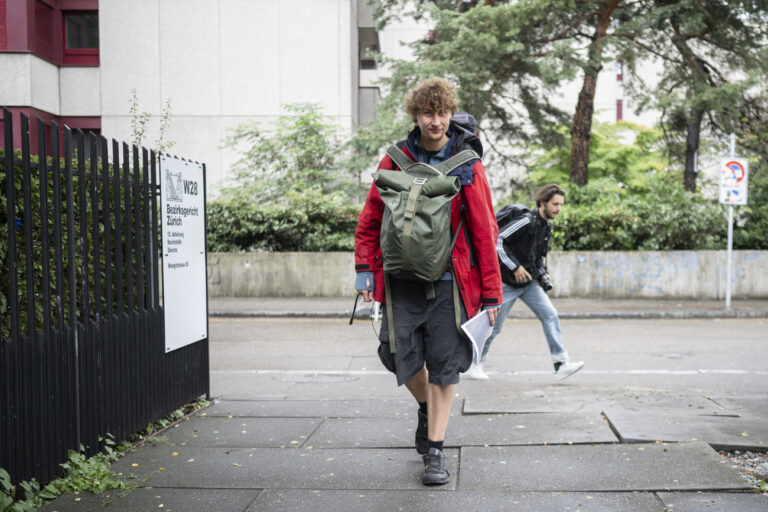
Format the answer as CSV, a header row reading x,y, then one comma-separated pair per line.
x,y
568,308
306,419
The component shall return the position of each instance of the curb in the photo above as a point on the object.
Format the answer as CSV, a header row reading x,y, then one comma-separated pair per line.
x,y
607,315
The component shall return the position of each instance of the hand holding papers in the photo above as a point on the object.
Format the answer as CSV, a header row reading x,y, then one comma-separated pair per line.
x,y
478,328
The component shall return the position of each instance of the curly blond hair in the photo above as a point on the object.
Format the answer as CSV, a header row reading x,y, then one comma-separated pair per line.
x,y
433,93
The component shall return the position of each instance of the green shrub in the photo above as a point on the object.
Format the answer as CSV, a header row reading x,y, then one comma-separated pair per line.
x,y
301,221
83,238
633,200
291,188
606,216
751,230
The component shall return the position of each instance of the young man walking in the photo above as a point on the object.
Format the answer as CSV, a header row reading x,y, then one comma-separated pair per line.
x,y
522,246
430,352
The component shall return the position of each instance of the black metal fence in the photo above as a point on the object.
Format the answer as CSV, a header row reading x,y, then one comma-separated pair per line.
x,y
82,349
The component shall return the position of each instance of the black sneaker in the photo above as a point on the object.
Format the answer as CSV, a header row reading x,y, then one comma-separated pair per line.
x,y
422,442
435,468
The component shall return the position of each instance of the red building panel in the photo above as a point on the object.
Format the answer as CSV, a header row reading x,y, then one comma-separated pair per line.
x,y
3,27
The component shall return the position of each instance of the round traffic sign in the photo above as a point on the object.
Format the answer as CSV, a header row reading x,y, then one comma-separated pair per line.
x,y
737,170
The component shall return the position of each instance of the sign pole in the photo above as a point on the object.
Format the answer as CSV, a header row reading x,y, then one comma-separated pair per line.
x,y
730,258
729,264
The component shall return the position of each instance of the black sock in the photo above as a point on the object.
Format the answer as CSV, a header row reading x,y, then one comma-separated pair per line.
x,y
436,444
557,366
423,407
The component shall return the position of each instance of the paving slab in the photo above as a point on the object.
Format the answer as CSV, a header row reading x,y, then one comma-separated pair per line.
x,y
243,432
259,468
536,403
275,500
246,385
755,405
359,408
712,502
585,398
689,466
145,499
721,432
475,430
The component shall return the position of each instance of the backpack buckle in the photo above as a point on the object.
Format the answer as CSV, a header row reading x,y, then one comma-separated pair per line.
x,y
419,181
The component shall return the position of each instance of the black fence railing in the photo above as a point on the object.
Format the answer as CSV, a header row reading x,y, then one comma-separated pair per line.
x,y
82,350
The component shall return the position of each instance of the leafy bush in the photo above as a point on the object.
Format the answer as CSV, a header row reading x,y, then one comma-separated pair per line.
x,y
83,236
301,221
605,215
751,230
633,201
302,150
291,191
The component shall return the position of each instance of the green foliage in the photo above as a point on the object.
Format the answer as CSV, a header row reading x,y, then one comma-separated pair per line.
x,y
509,59
635,203
302,151
502,63
11,499
91,474
164,422
84,264
751,230
606,215
301,221
140,124
292,189
629,153
82,473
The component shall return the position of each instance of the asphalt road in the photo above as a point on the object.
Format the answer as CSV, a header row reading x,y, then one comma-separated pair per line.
x,y
710,355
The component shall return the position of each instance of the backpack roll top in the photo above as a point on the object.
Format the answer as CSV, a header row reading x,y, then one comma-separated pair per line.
x,y
416,223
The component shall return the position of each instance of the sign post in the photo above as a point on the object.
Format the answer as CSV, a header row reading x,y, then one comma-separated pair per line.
x,y
185,301
734,177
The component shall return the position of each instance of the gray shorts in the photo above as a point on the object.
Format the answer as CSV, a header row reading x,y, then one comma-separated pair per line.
x,y
425,333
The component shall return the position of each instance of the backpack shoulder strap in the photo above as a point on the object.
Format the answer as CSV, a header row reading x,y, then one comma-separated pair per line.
x,y
399,158
456,160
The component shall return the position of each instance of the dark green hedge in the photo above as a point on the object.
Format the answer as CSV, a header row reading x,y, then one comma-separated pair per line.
x,y
82,237
604,216
301,221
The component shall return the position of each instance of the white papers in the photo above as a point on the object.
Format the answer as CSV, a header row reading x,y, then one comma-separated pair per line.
x,y
478,328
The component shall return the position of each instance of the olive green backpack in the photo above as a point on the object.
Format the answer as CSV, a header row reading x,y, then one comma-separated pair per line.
x,y
415,233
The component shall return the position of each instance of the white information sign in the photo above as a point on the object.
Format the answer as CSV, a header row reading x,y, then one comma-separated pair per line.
x,y
184,272
734,173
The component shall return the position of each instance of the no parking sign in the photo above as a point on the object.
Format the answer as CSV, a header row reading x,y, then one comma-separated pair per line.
x,y
734,174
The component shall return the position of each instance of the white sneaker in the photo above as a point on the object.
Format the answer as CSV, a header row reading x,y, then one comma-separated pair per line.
x,y
568,369
476,372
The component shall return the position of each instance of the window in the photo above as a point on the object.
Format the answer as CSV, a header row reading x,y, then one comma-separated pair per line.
x,y
81,38
368,40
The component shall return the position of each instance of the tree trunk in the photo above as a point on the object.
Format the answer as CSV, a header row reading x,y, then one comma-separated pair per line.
x,y
701,78
691,149
581,131
581,128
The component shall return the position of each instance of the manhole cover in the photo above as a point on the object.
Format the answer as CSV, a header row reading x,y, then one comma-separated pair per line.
x,y
315,377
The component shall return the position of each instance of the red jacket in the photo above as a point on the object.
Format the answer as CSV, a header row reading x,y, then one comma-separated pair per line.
x,y
479,285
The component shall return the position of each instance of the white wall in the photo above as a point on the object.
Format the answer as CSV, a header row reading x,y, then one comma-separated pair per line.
x,y
80,91
15,87
29,81
222,62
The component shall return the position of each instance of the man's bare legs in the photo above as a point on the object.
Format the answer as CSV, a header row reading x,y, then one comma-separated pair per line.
x,y
439,399
417,385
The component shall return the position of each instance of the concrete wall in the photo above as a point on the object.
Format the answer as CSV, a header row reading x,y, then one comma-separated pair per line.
x,y
659,275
